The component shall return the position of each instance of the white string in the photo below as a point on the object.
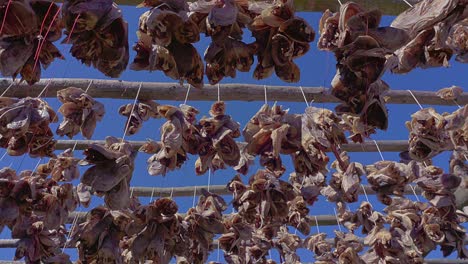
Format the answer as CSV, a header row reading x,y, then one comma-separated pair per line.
x,y
217,259
337,220
316,224
297,227
89,85
365,193
8,88
209,178
3,156
186,95
152,193
131,191
45,87
194,195
218,93
380,152
74,146
265,90
86,91
172,191
415,99
408,3
414,191
457,104
340,3
133,108
305,98
37,165
71,232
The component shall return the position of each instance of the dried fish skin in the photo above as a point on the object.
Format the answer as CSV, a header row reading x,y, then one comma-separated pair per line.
x,y
111,171
450,93
432,133
81,113
98,238
218,146
26,127
21,36
179,136
458,40
387,177
21,19
14,53
136,114
165,37
424,15
277,31
91,24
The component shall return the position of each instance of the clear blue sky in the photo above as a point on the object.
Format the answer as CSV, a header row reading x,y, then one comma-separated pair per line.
x,y
318,68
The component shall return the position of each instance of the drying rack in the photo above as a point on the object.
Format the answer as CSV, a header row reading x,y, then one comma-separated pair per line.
x,y
230,92
116,89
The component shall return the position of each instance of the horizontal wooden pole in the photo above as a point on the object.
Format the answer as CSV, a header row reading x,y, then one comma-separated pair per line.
x,y
426,261
189,191
228,92
323,220
384,145
388,7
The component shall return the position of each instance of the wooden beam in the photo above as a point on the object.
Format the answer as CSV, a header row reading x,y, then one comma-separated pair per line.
x,y
189,191
427,261
384,145
388,7
229,92
323,220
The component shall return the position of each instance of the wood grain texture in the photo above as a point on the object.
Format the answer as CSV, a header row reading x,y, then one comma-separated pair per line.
x,y
323,220
384,145
228,92
388,7
189,191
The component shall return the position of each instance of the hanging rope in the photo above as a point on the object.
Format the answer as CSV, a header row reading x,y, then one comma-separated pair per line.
x,y
415,99
265,89
378,149
131,112
209,178
414,191
408,3
186,96
317,224
75,220
37,164
86,91
73,28
5,16
365,193
194,196
41,43
8,88
172,192
3,156
337,220
303,94
152,194
45,87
